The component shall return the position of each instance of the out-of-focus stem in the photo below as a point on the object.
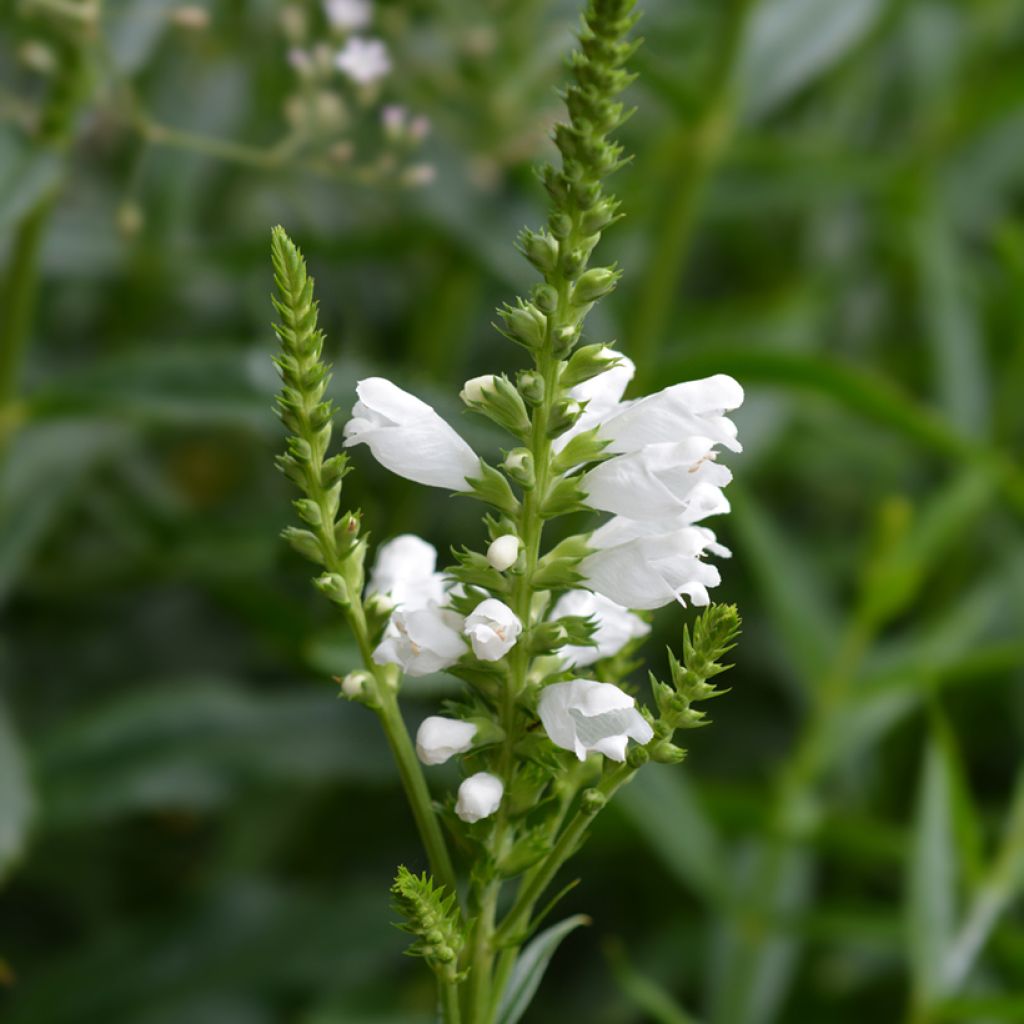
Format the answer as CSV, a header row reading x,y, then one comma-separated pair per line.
x,y
692,157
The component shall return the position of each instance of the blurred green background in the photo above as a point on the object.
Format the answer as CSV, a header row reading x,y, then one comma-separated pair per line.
x,y
826,200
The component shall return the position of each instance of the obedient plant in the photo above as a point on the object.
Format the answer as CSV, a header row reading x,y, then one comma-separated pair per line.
x,y
543,635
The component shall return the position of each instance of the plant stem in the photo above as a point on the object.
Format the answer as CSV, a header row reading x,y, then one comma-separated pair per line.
x,y
450,1010
693,155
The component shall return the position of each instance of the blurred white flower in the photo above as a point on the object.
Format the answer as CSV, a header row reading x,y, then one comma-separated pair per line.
x,y
503,552
583,716
479,796
363,60
422,641
404,570
615,626
408,437
348,14
492,628
439,739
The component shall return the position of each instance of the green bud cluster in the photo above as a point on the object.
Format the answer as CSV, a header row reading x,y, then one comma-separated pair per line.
x,y
713,636
327,537
432,917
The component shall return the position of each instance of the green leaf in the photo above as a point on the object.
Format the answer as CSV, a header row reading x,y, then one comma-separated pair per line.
x,y
932,875
656,1003
17,800
662,806
27,175
530,967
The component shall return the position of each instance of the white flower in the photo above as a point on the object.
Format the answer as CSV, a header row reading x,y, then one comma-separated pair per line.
x,y
649,564
658,481
503,552
438,739
348,14
616,626
695,408
479,796
406,436
404,571
492,628
363,60
582,715
474,390
422,641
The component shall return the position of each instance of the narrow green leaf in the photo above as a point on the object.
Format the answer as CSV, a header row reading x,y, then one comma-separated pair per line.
x,y
656,1003
17,801
932,876
530,967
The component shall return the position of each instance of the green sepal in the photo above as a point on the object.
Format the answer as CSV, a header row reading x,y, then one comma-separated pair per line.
x,y
531,847
474,570
559,568
493,488
502,404
564,497
305,543
588,362
581,449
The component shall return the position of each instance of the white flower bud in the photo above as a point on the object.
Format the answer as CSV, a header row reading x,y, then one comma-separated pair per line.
x,y
364,61
474,390
503,552
479,796
493,629
353,685
438,739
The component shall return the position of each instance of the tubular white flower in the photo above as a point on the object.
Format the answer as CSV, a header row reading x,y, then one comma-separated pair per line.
x,y
404,570
492,628
438,739
503,552
658,481
422,641
348,14
406,436
363,60
479,796
476,388
616,626
582,715
639,567
693,408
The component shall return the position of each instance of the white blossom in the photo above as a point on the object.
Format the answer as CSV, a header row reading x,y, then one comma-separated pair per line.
x,y
363,60
348,14
637,566
615,626
583,716
602,396
404,570
492,628
503,552
479,796
421,641
406,436
476,388
438,739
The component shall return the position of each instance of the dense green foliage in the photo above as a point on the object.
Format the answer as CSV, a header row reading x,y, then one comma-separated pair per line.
x,y
825,200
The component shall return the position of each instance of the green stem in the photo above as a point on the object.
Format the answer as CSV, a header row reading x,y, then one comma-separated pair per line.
x,y
568,842
693,155
451,1013
18,297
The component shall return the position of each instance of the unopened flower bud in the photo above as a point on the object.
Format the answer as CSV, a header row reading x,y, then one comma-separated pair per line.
x,y
518,465
475,389
545,298
664,752
38,56
531,386
191,17
503,552
479,796
561,225
540,248
334,587
354,684
439,739
565,413
594,284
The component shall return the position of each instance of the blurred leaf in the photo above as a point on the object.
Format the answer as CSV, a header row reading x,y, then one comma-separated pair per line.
x,y
17,801
657,1004
133,29
790,43
801,608
194,743
932,875
530,967
663,807
44,469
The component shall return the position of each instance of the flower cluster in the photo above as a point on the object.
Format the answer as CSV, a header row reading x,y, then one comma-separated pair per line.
x,y
543,635
340,71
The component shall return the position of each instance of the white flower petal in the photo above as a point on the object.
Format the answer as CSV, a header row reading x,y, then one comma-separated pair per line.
x,y
404,571
421,641
582,716
479,796
408,437
492,628
615,626
363,60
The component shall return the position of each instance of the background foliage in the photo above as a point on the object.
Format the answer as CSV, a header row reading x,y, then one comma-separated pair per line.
x,y
825,201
